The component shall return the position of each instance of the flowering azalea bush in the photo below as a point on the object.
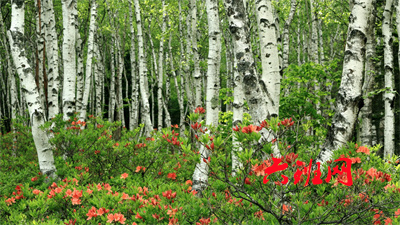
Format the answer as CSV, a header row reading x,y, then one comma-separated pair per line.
x,y
109,175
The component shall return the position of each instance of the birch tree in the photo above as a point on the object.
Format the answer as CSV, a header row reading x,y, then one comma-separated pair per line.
x,y
69,56
389,80
366,128
90,54
200,175
160,78
350,92
270,78
52,58
145,110
29,89
196,60
134,113
286,30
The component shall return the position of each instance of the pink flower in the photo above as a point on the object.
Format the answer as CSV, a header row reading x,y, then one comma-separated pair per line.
x,y
124,176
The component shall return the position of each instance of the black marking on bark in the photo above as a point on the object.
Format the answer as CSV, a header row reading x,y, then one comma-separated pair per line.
x,y
19,3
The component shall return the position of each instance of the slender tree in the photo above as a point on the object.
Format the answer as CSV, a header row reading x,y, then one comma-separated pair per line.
x,y
90,55
350,92
389,79
270,78
200,175
142,73
30,90
69,56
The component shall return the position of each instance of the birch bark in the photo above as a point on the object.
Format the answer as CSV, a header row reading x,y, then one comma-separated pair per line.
x,y
134,114
69,56
350,93
160,78
142,73
270,78
366,129
30,91
52,58
196,60
286,31
389,80
89,60
200,176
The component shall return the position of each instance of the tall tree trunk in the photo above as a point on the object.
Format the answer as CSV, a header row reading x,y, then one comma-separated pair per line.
x,y
200,176
182,77
270,78
142,73
196,60
111,104
98,77
134,114
52,58
160,78
366,128
40,54
350,92
36,112
389,80
286,30
69,56
245,62
91,43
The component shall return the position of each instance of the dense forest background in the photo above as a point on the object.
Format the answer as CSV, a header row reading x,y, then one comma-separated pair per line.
x,y
63,43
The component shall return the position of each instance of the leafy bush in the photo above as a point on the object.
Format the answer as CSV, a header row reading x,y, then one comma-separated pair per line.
x,y
111,175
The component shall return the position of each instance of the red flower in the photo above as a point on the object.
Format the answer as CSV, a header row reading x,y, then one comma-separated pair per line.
x,y
34,179
204,221
138,216
200,110
124,176
91,213
169,194
363,149
249,129
172,176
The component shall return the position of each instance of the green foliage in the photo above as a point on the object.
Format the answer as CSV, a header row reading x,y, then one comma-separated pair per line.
x,y
109,170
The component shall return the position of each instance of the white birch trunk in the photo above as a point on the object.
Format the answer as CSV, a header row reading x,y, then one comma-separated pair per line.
x,y
238,103
80,78
350,92
160,69
98,77
389,80
111,104
69,57
89,60
366,129
196,60
53,75
134,114
30,91
200,175
270,78
182,77
142,73
286,30
40,53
